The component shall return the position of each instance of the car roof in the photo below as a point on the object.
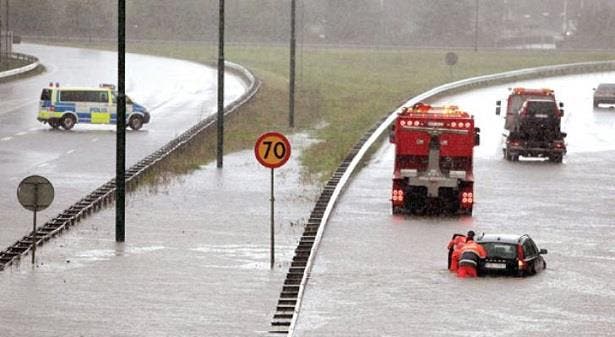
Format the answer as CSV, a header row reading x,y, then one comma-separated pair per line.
x,y
539,100
607,85
504,238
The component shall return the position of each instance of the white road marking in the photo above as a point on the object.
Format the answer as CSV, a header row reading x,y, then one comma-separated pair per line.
x,y
6,138
33,129
21,133
43,165
70,151
94,140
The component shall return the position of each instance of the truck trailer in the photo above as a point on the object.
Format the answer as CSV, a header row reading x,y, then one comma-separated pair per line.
x,y
434,149
533,125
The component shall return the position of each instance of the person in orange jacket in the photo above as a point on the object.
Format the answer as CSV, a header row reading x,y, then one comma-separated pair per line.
x,y
454,248
470,256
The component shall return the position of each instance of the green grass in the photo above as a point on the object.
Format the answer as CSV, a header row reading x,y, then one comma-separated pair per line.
x,y
341,92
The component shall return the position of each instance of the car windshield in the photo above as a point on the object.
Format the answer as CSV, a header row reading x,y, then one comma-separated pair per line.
x,y
500,250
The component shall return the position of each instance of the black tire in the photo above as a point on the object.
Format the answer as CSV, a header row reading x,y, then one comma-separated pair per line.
x,y
416,202
514,157
556,158
67,122
135,122
505,154
54,123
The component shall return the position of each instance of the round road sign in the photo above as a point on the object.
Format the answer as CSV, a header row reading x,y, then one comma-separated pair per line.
x,y
451,58
35,193
272,149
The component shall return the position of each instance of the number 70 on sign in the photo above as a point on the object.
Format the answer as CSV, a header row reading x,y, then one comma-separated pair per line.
x,y
272,149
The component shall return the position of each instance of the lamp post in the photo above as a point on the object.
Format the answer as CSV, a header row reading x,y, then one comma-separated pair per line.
x,y
220,119
291,88
476,27
120,153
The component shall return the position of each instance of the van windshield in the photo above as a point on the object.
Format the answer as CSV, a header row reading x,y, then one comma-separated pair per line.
x,y
46,95
128,100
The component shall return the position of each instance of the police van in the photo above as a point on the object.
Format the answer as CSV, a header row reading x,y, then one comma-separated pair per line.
x,y
68,106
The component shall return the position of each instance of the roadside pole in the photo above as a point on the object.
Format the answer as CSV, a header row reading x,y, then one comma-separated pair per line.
x,y
35,193
220,119
291,89
120,155
272,150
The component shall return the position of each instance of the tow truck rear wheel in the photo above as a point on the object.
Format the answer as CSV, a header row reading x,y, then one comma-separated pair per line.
x,y
556,158
67,122
507,155
416,201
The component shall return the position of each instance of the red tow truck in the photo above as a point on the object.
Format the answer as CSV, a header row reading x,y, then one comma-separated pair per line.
x,y
434,149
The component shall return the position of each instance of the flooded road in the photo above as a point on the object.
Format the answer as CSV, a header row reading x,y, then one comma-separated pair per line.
x,y
196,261
177,93
381,275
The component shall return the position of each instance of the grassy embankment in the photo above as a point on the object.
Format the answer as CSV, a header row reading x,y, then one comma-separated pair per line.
x,y
340,92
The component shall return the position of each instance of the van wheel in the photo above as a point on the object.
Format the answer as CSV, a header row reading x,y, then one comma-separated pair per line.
x,y
54,123
136,122
67,122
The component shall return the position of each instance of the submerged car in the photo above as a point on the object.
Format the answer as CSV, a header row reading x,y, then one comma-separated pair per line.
x,y
604,94
511,254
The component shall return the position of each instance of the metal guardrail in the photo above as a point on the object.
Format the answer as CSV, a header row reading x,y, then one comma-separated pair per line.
x,y
104,194
289,303
32,61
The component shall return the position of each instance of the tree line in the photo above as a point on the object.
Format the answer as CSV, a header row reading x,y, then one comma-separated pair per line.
x,y
365,22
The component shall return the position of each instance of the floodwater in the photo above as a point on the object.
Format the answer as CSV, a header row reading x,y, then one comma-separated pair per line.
x,y
196,261
381,275
177,93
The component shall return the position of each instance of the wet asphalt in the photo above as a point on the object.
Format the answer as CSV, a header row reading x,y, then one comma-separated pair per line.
x,y
196,258
177,93
382,275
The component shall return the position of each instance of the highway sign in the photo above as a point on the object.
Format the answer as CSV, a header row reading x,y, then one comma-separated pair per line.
x,y
272,149
35,193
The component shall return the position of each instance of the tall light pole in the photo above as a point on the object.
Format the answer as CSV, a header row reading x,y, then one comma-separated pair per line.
x,y
476,28
220,120
120,153
291,89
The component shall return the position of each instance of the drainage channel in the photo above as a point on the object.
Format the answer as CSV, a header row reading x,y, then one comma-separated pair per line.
x,y
105,194
287,305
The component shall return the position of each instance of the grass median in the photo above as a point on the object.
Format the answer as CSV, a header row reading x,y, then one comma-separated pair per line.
x,y
340,92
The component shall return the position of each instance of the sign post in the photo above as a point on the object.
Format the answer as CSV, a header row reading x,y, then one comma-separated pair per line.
x,y
272,150
35,193
451,59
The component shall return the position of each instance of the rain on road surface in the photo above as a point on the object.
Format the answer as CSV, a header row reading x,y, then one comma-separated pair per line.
x,y
381,275
177,93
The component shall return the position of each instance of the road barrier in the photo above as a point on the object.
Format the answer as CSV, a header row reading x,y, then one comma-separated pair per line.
x,y
105,194
32,61
289,303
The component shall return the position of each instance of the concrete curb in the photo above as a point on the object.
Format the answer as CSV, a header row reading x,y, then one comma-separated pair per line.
x,y
34,62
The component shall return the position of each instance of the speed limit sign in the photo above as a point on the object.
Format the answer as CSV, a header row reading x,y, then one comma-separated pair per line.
x,y
272,149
